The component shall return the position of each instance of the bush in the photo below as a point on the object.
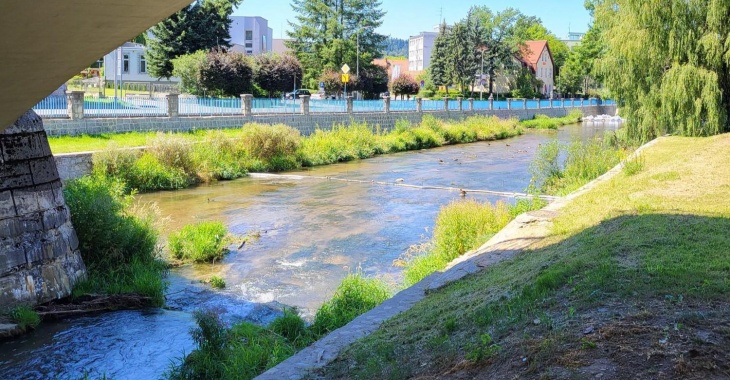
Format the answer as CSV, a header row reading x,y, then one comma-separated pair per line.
x,y
202,242
293,328
217,282
226,74
118,243
355,295
342,143
546,122
219,157
404,85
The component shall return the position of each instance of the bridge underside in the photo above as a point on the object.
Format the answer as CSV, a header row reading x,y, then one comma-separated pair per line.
x,y
44,43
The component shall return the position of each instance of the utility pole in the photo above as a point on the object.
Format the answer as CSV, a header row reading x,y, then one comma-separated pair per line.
x,y
357,69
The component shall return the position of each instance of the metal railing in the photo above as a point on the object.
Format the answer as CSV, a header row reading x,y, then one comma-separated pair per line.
x,y
78,104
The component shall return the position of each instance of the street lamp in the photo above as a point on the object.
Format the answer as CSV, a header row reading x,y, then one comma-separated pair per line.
x,y
357,65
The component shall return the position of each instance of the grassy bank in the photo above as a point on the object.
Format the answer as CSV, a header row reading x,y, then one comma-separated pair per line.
x,y
632,283
247,350
546,122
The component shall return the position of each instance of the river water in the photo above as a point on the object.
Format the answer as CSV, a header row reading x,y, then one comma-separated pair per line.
x,y
314,229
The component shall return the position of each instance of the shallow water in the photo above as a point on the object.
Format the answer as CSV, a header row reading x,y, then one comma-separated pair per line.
x,y
314,231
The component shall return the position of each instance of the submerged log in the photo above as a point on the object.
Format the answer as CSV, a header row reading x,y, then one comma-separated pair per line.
x,y
93,303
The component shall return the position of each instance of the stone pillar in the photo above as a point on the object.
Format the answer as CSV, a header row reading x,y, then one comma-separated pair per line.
x,y
39,250
459,100
446,104
509,103
304,107
538,103
491,102
572,102
173,105
386,104
471,104
75,104
246,104
419,104
349,104
524,104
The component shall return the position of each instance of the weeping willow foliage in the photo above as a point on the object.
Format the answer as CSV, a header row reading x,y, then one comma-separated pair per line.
x,y
668,63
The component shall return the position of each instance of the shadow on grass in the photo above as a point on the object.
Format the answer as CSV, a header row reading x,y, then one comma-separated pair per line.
x,y
652,261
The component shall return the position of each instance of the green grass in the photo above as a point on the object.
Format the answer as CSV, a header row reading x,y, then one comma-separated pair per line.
x,y
460,227
25,317
653,241
201,242
217,282
247,350
546,122
118,241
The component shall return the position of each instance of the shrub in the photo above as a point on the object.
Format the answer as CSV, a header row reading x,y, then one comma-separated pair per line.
x,y
342,143
404,85
202,242
546,122
218,157
149,174
226,74
118,244
355,295
25,317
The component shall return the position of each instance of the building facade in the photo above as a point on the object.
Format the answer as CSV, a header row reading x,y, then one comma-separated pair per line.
x,y
536,55
419,51
251,35
127,63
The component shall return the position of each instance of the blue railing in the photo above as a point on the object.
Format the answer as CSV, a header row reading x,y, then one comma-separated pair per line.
x,y
145,106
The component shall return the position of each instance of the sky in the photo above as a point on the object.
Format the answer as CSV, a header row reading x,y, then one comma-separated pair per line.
x,y
406,18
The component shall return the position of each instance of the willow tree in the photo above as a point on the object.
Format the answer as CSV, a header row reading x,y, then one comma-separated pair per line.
x,y
668,63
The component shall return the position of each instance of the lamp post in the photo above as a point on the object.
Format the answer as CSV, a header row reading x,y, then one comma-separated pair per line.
x,y
482,49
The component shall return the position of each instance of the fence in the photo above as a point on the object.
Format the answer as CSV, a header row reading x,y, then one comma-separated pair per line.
x,y
78,105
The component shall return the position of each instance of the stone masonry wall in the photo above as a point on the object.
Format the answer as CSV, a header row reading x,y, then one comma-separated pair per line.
x,y
74,165
39,256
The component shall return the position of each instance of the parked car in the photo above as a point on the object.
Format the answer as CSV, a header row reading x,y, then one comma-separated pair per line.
x,y
296,94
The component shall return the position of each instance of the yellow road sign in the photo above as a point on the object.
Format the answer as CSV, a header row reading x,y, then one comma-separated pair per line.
x,y
345,78
345,68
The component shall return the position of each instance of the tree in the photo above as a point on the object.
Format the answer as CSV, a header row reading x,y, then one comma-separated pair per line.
x,y
498,35
333,82
395,47
524,84
579,69
277,73
667,62
463,57
203,25
440,74
226,74
187,68
373,80
404,85
325,34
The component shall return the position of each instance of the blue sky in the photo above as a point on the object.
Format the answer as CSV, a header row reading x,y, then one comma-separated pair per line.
x,y
410,17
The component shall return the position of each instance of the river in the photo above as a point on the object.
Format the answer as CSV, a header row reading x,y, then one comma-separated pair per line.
x,y
314,229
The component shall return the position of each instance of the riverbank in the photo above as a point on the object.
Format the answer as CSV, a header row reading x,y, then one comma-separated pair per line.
x,y
628,280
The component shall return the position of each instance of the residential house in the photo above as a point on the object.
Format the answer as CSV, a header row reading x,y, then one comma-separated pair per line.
x,y
127,63
537,57
396,68
419,50
251,35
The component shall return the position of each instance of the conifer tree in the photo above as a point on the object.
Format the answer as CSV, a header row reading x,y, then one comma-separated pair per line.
x,y
440,72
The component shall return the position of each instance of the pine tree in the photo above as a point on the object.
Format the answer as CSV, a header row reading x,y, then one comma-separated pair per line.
x,y
203,25
326,32
440,73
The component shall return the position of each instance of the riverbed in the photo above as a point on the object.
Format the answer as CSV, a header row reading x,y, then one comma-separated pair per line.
x,y
313,227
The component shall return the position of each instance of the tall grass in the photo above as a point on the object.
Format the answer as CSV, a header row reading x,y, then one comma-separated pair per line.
x,y
117,241
201,242
246,350
562,168
176,161
25,317
546,122
460,227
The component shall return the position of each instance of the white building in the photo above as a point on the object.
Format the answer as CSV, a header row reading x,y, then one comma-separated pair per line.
x,y
127,63
251,35
419,50
537,56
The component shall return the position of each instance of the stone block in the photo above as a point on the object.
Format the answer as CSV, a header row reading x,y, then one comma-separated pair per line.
x,y
11,256
69,234
55,217
15,182
24,147
34,248
29,122
7,206
46,198
26,201
44,170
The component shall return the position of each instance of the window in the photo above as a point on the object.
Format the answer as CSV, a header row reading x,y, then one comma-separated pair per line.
x,y
125,63
264,46
249,44
142,64
249,52
249,35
